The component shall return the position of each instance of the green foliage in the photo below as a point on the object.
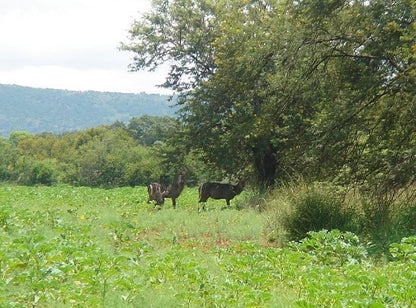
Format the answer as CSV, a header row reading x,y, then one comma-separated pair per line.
x,y
318,207
387,225
147,130
32,172
322,89
333,248
79,246
8,155
17,136
404,218
101,158
297,207
143,167
42,173
405,251
106,156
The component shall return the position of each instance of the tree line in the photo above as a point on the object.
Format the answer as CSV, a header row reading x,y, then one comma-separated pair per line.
x,y
120,154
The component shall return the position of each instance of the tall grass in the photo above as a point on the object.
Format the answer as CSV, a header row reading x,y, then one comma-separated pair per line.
x,y
299,207
294,209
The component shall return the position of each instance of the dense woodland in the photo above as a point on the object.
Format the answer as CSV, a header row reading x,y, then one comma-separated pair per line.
x,y
57,111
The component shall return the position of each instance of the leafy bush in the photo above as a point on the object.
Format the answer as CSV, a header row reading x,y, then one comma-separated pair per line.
x,y
315,208
294,209
105,156
109,157
147,130
333,247
42,173
384,226
8,155
405,251
145,170
32,172
5,174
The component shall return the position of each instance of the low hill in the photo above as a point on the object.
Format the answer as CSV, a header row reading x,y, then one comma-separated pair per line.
x,y
48,110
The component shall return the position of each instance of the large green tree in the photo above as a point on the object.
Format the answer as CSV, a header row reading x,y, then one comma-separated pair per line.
x,y
325,88
187,35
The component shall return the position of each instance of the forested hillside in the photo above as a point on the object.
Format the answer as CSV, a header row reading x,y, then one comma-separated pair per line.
x,y
47,110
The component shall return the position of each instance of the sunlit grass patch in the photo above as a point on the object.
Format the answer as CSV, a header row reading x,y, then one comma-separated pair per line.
x,y
170,225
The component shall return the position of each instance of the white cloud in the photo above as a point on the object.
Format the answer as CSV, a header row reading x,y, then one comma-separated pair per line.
x,y
43,25
110,80
71,44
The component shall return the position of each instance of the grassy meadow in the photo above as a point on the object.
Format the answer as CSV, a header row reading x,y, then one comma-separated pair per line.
x,y
69,246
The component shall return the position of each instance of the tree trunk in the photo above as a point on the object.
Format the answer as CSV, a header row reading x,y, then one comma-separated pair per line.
x,y
265,164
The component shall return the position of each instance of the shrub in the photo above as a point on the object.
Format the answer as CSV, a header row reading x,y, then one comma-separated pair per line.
x,y
32,172
277,208
333,248
318,207
42,174
405,251
8,156
389,225
293,210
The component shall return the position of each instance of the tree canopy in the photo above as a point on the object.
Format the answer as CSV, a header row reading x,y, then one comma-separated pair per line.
x,y
274,88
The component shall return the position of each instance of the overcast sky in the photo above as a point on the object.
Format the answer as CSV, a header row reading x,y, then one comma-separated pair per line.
x,y
71,44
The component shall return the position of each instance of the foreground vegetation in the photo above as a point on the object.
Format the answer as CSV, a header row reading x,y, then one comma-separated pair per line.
x,y
87,247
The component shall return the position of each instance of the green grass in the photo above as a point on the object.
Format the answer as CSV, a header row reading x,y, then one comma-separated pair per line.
x,y
81,247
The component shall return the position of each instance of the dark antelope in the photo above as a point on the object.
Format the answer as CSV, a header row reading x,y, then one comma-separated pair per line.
x,y
174,190
216,190
159,191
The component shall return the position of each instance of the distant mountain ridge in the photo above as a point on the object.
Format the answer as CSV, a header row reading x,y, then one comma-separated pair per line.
x,y
56,111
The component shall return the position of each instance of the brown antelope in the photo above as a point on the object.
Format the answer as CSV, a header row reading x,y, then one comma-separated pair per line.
x,y
157,193
160,191
219,191
174,190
